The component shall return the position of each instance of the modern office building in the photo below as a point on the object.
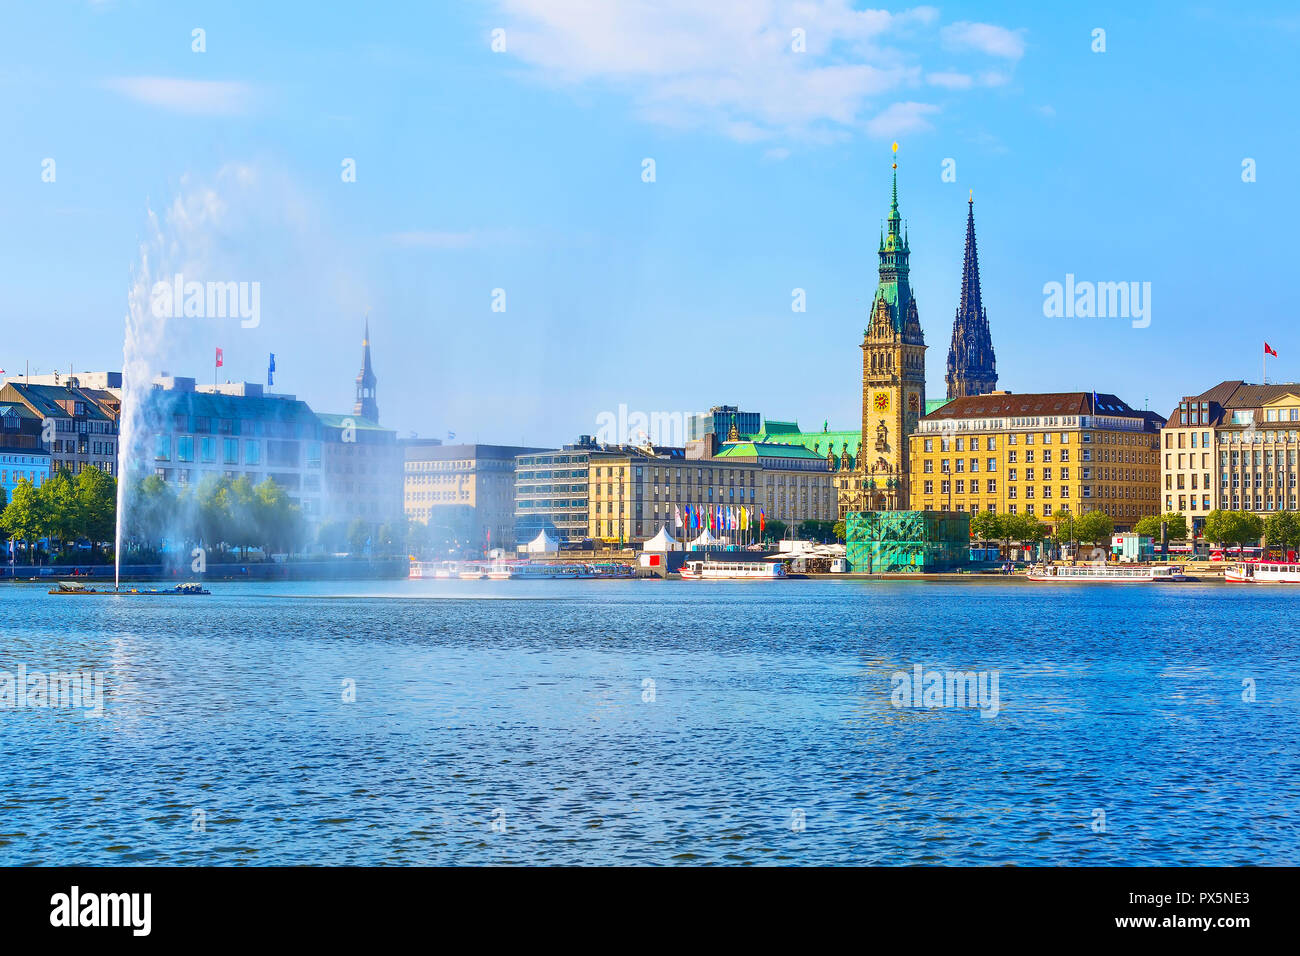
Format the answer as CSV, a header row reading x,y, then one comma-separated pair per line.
x,y
1036,453
1233,447
192,432
717,421
551,492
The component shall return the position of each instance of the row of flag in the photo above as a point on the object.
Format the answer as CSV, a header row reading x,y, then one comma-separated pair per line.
x,y
220,360
719,518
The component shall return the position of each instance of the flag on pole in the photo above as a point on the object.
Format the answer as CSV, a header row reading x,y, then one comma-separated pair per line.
x,y
762,520
270,371
1268,350
220,358
677,516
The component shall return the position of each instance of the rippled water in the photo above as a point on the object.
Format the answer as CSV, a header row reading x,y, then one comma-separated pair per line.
x,y
771,737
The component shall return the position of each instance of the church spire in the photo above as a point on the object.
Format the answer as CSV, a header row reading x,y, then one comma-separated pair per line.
x,y
972,368
365,405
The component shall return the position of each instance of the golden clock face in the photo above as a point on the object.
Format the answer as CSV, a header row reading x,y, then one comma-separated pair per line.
x,y
880,401
913,402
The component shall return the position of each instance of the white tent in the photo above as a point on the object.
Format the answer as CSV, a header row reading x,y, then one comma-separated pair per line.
x,y
663,541
542,544
706,539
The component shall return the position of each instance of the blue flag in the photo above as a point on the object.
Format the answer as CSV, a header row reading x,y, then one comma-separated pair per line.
x,y
270,370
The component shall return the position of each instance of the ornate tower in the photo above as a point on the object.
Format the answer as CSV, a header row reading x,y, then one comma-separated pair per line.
x,y
972,369
365,405
893,376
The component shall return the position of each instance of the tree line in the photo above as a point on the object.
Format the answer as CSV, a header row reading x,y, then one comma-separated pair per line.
x,y
63,509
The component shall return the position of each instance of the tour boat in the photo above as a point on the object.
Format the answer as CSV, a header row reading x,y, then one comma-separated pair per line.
x,y
1107,573
430,569
500,572
1264,572
732,570
470,574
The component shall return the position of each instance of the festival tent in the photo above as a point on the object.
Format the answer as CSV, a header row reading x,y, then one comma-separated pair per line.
x,y
706,539
663,541
542,544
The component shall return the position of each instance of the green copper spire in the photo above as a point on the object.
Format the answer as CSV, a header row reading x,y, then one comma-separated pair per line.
x,y
893,287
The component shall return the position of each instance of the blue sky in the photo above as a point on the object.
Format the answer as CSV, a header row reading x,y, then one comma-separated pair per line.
x,y
522,170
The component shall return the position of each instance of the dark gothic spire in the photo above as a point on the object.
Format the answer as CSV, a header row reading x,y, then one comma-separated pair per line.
x,y
365,405
972,369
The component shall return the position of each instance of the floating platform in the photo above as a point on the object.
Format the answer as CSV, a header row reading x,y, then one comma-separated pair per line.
x,y
180,590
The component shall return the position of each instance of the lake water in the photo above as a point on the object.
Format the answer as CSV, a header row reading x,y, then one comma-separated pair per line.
x,y
656,723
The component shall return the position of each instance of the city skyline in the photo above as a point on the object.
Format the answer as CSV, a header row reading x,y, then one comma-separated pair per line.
x,y
534,185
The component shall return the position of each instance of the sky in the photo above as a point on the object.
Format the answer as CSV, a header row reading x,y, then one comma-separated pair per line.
x,y
503,145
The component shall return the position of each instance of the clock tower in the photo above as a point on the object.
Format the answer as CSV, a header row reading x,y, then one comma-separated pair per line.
x,y
893,377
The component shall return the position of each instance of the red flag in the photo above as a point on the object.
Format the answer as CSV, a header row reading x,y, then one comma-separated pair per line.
x,y
1269,351
220,358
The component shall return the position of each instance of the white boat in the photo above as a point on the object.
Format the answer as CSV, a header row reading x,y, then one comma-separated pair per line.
x,y
1263,572
732,570
472,573
433,569
1107,573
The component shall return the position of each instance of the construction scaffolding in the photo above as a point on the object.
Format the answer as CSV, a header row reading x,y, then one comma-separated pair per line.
x,y
894,542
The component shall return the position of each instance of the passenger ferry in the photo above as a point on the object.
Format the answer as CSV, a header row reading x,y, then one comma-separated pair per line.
x,y
1265,572
1107,573
434,569
732,570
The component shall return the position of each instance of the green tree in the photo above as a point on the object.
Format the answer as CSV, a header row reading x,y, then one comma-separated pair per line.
x,y
358,534
24,516
775,530
61,509
1150,526
279,525
1233,527
151,511
1094,528
813,530
840,531
1282,530
987,526
97,506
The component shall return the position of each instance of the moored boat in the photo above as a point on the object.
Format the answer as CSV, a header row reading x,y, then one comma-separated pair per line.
x,y
1263,572
1106,573
709,570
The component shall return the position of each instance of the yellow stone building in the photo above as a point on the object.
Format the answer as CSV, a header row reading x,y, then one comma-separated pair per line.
x,y
1037,453
1232,447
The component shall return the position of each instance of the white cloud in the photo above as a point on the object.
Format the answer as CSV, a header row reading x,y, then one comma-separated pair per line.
x,y
731,65
950,81
985,38
447,239
206,97
900,119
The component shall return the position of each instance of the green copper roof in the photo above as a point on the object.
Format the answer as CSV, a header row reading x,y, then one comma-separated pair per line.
x,y
819,443
762,449
771,427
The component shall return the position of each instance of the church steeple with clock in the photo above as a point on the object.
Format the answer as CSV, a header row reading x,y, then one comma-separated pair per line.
x,y
893,376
